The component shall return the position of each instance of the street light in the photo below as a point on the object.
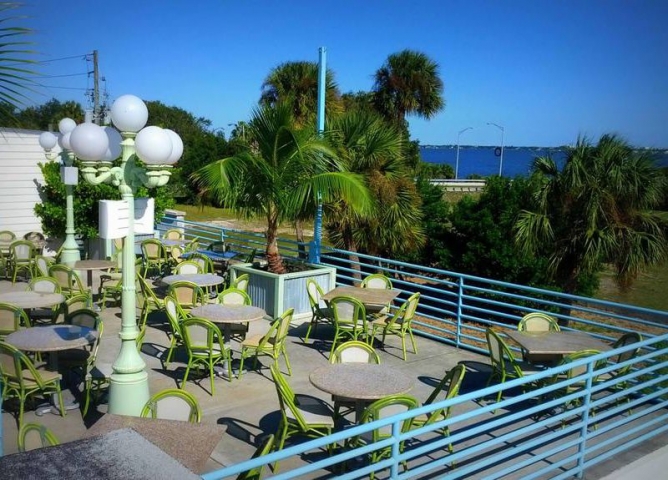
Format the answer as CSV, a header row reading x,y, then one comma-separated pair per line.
x,y
502,134
69,174
158,149
457,161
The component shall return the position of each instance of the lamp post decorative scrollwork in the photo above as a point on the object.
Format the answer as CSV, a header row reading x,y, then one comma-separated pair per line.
x,y
158,149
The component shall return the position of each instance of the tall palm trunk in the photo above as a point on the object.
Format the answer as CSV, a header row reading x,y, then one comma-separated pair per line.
x,y
274,259
351,246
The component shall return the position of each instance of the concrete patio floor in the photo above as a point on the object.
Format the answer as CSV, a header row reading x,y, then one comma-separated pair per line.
x,y
248,408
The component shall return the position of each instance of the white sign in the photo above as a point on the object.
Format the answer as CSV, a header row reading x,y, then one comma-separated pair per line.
x,y
114,217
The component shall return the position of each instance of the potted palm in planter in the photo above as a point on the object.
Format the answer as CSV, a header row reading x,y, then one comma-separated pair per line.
x,y
278,177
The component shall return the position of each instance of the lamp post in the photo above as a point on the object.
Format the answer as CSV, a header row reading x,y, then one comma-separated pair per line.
x,y
69,174
502,135
158,149
457,160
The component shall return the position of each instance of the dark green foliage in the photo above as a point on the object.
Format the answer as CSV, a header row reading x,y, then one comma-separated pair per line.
x,y
47,115
86,199
429,170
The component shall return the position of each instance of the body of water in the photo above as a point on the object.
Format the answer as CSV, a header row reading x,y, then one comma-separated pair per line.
x,y
485,160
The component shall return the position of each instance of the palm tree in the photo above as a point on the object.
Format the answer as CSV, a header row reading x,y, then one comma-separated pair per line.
x,y
14,58
408,84
297,84
372,148
283,169
596,210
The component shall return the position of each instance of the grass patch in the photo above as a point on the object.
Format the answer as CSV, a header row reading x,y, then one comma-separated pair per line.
x,y
204,213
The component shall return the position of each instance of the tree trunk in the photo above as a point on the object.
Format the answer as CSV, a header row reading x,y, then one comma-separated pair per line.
x,y
274,259
351,246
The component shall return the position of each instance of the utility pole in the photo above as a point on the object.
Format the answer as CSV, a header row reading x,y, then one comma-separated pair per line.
x,y
96,90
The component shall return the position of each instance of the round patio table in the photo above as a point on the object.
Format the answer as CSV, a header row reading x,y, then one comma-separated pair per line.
x,y
361,382
89,266
199,279
30,299
228,315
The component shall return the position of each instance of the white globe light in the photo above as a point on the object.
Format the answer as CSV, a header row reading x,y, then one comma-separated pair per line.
x,y
129,113
47,140
154,146
66,125
64,141
177,147
114,149
89,141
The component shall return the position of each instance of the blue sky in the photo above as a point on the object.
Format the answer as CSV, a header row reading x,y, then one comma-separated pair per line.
x,y
546,70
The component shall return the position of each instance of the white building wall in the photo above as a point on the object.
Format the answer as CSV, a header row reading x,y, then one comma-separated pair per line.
x,y
19,176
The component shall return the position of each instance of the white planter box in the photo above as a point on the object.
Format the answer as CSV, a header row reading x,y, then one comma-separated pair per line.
x,y
276,293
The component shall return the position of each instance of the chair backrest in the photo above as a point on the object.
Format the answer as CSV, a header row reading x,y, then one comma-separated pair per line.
x,y
153,249
146,291
22,251
34,237
538,322
404,316
176,253
200,335
84,318
354,351
626,339
14,364
34,435
175,314
234,296
42,265
173,234
193,245
67,278
574,371
187,294
80,301
11,318
282,330
43,285
265,447
188,267
447,388
241,282
348,310
286,398
173,404
203,261
500,354
377,280
315,294
218,247
387,407
7,236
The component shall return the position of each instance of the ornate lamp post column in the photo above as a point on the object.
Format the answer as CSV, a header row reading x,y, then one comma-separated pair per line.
x,y
158,149
47,141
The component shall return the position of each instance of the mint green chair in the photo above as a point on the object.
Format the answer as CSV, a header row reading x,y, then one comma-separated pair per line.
x,y
12,318
349,320
175,315
149,301
271,344
21,258
319,313
173,404
204,344
34,435
383,408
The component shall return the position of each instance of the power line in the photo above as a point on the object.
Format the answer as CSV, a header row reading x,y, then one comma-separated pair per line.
x,y
62,88
83,55
66,75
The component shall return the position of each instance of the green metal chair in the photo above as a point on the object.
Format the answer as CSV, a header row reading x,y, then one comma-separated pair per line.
x,y
204,344
4,263
173,234
149,301
612,379
188,267
241,283
111,281
42,265
300,414
187,294
400,323
265,447
155,256
175,315
447,388
377,280
34,435
383,408
12,318
21,258
319,313
173,404
44,285
81,358
203,261
69,281
504,364
538,322
271,343
234,296
22,379
75,302
353,351
349,320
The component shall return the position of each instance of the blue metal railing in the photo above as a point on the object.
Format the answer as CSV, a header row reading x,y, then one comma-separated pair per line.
x,y
456,309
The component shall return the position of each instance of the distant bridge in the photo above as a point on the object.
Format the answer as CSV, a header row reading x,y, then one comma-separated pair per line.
x,y
465,185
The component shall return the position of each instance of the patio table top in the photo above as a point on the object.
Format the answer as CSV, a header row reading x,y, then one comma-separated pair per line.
x,y
51,338
200,279
361,381
557,343
31,299
368,296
